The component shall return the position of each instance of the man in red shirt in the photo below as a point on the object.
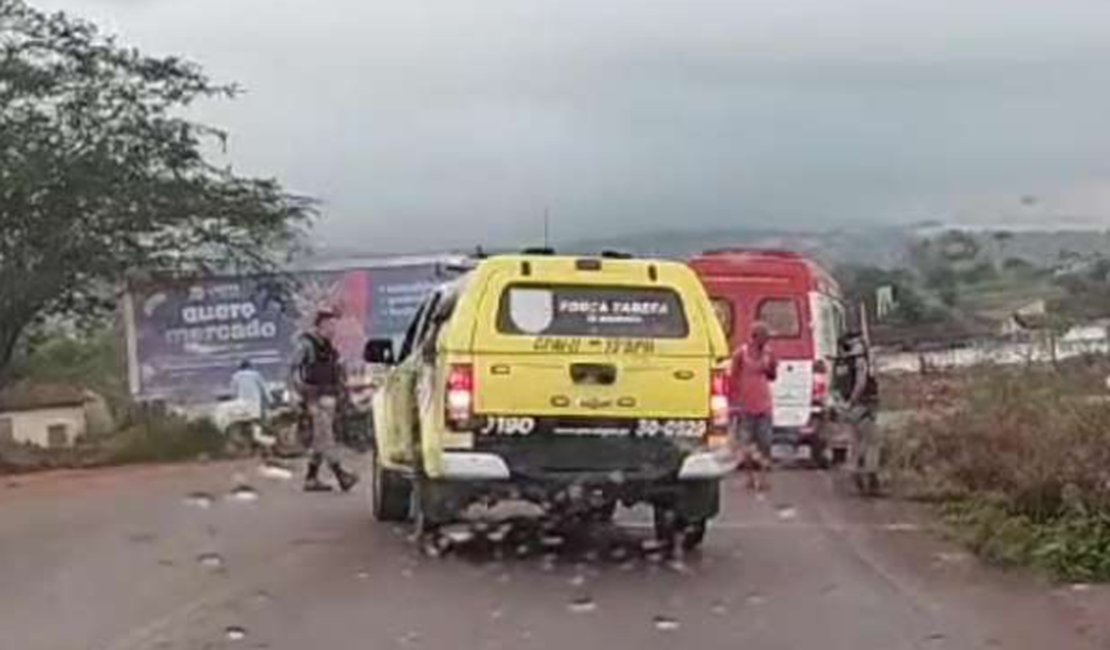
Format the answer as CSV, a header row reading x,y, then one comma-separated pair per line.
x,y
754,368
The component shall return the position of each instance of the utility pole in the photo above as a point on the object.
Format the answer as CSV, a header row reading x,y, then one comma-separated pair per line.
x,y
546,228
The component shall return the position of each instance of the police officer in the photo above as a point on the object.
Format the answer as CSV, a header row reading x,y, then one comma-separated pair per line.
x,y
858,391
317,376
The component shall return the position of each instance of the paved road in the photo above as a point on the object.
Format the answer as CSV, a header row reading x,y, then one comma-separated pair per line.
x,y
128,560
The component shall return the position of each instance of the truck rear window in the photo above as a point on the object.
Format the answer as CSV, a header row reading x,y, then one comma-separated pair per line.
x,y
781,315
576,310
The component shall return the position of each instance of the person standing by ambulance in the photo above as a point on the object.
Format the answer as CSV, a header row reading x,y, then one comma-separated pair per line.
x,y
317,376
754,369
857,390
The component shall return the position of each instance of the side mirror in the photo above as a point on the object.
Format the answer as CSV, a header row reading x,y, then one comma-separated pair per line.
x,y
379,351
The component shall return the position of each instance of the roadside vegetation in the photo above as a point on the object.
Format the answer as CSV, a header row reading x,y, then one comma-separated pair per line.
x,y
95,360
107,180
150,438
1020,466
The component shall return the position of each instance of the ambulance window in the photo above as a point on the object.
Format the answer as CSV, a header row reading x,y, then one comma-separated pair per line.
x,y
725,314
782,316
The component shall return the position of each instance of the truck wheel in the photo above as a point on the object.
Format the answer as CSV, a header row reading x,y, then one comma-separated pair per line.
x,y
693,534
390,493
672,529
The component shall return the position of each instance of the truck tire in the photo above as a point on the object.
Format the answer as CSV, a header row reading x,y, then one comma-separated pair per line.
x,y
390,493
674,530
693,534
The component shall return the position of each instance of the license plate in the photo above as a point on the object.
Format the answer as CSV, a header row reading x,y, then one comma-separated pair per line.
x,y
646,428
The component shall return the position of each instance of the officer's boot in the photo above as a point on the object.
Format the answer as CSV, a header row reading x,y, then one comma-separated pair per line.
x,y
312,482
347,480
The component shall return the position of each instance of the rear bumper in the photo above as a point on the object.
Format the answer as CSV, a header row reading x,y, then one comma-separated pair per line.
x,y
470,466
474,466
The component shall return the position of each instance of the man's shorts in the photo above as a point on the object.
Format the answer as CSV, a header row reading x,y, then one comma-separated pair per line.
x,y
755,431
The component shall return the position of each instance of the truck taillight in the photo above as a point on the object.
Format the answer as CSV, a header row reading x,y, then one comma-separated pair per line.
x,y
460,396
820,383
718,399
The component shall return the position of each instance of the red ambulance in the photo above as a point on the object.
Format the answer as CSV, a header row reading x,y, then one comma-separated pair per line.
x,y
804,308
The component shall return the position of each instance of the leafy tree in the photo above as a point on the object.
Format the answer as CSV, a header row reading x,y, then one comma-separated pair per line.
x,y
959,246
1017,265
949,295
941,278
911,308
101,175
861,284
982,272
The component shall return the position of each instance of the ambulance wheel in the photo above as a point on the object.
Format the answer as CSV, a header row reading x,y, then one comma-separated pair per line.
x,y
819,452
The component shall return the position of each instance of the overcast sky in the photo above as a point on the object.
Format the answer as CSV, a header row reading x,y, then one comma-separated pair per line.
x,y
425,124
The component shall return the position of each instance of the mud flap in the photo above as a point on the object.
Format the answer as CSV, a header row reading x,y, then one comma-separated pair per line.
x,y
698,500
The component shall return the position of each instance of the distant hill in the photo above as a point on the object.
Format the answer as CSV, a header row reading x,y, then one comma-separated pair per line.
x,y
883,246
877,246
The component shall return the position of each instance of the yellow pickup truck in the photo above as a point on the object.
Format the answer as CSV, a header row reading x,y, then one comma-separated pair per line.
x,y
576,383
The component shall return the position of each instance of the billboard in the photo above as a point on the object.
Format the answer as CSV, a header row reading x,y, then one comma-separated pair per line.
x,y
186,338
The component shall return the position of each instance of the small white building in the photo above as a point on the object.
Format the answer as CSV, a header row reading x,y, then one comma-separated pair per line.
x,y
45,415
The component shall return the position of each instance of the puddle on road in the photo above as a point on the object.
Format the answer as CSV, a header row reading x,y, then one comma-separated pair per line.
x,y
244,494
211,561
235,633
275,471
936,637
201,500
583,605
666,624
951,558
787,513
262,597
901,527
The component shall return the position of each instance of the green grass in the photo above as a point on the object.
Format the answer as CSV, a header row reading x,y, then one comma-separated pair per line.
x,y
1021,468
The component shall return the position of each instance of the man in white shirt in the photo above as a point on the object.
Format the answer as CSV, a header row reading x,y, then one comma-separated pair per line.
x,y
250,388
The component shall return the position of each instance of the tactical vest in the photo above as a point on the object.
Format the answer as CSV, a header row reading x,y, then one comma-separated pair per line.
x,y
323,370
845,372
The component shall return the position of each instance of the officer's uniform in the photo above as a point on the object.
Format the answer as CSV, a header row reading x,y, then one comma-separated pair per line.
x,y
320,375
854,375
